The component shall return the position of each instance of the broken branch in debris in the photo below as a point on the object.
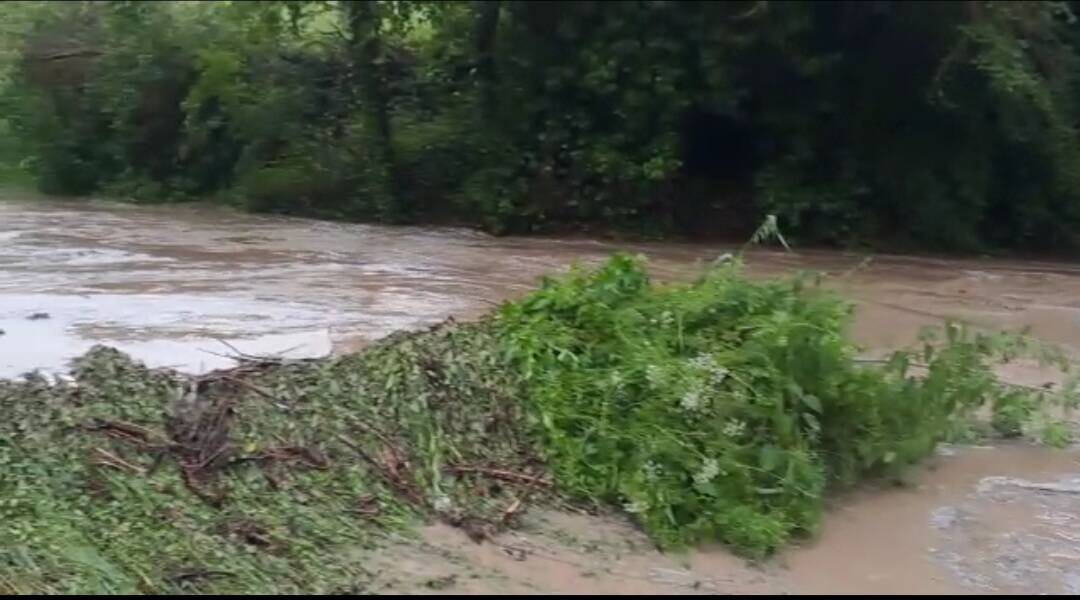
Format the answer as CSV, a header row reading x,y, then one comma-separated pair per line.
x,y
390,471
191,575
258,390
104,457
500,474
200,437
123,430
306,456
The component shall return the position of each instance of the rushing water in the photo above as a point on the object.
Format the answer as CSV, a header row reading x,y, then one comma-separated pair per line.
x,y
180,285
166,283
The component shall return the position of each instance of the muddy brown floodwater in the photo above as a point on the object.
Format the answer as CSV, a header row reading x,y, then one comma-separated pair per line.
x,y
170,284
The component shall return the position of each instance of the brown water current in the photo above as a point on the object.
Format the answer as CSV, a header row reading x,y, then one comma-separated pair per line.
x,y
168,284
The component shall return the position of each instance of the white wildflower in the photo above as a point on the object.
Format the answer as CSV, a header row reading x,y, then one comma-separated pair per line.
x,y
442,503
636,507
707,363
652,470
719,374
709,470
691,400
655,375
734,428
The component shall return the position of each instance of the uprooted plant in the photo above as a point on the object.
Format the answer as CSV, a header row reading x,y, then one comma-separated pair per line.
x,y
724,409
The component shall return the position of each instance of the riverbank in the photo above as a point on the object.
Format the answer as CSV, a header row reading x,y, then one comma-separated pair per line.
x,y
166,283
271,475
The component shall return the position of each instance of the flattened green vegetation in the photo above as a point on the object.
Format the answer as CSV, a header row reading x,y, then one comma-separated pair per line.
x,y
268,478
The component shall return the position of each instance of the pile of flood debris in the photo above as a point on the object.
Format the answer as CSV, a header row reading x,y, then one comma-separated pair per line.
x,y
262,477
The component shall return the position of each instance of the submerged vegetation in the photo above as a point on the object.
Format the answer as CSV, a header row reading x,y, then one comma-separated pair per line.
x,y
723,409
947,125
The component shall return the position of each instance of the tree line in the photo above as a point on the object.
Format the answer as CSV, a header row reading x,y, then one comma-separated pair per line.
x,y
938,125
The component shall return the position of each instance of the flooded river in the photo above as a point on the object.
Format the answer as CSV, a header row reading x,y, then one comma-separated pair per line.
x,y
165,283
175,286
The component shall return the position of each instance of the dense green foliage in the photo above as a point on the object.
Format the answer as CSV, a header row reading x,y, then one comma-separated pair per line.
x,y
720,410
725,409
947,124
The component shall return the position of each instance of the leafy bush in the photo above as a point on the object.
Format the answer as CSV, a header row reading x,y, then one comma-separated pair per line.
x,y
319,186
290,185
725,409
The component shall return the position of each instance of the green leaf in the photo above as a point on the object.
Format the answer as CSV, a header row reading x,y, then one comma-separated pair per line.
x,y
770,457
707,488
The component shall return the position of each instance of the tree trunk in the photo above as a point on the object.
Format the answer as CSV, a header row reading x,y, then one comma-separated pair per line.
x,y
367,55
487,25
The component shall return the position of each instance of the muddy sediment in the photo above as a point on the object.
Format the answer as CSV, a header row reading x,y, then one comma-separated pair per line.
x,y
967,524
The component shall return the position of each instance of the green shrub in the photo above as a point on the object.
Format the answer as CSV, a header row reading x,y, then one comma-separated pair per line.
x,y
725,409
434,157
296,185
